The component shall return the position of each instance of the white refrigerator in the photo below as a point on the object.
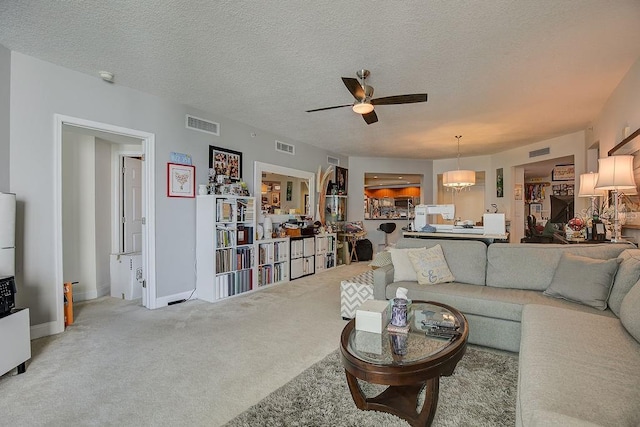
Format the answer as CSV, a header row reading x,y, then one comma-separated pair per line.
x,y
7,234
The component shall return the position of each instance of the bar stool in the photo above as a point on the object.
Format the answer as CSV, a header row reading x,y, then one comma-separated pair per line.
x,y
387,228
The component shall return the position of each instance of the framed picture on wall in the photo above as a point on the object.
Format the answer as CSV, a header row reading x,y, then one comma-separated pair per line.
x,y
226,162
180,180
341,180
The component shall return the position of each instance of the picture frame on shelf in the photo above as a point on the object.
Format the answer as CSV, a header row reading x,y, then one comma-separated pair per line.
x,y
181,180
275,199
226,162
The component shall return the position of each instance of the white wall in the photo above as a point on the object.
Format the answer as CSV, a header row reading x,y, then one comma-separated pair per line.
x,y
621,109
358,166
78,212
5,79
86,214
38,91
103,202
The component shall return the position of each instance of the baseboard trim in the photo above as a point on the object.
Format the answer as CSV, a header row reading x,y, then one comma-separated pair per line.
x,y
164,301
44,330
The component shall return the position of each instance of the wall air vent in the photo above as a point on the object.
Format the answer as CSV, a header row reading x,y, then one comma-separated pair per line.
x,y
202,125
283,147
333,161
540,152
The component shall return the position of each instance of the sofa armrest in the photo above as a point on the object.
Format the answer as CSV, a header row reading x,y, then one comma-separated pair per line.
x,y
381,278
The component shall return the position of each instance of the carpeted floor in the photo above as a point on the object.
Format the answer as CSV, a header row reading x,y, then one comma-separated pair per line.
x,y
481,392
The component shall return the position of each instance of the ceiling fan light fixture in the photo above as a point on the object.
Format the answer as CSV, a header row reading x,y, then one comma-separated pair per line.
x,y
364,107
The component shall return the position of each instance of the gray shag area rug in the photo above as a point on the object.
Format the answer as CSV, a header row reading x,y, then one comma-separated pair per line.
x,y
481,392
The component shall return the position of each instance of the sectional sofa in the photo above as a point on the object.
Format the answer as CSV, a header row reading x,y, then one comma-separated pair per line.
x,y
571,311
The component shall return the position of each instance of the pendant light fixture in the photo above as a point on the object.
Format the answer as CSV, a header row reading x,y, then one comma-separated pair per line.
x,y
459,179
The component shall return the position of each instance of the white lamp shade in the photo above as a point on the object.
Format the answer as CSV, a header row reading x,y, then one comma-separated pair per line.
x,y
588,185
459,178
615,173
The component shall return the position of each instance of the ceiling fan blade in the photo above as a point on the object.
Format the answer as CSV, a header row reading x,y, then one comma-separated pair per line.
x,y
400,99
329,108
371,117
354,87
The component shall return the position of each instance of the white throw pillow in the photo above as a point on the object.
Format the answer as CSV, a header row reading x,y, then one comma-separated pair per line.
x,y
431,266
402,268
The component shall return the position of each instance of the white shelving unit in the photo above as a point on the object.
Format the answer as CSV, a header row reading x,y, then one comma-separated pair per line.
x,y
225,258
302,256
326,245
273,261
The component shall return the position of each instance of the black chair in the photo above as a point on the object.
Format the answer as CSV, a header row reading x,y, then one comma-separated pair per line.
x,y
387,228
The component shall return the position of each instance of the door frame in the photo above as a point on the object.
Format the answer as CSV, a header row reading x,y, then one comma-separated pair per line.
x,y
148,206
117,159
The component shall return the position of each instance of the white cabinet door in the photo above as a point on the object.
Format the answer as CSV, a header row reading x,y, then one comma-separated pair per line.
x,y
309,246
297,268
309,265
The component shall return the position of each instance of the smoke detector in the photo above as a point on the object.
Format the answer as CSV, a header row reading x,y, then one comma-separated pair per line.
x,y
106,76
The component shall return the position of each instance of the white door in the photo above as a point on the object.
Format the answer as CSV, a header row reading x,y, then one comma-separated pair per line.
x,y
132,205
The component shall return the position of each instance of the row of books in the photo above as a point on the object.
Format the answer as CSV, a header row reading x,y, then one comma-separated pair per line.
x,y
228,210
233,283
272,252
268,274
233,259
233,235
326,245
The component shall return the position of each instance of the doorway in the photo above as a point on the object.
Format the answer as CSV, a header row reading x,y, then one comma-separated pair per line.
x,y
120,142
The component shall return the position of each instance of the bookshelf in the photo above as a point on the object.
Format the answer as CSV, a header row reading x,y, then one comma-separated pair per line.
x,y
224,246
326,251
273,261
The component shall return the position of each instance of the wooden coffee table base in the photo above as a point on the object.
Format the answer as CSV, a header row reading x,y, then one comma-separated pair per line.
x,y
401,401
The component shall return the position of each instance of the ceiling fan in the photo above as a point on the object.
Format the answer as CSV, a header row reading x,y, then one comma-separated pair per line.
x,y
364,104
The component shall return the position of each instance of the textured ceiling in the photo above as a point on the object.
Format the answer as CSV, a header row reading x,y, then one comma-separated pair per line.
x,y
500,73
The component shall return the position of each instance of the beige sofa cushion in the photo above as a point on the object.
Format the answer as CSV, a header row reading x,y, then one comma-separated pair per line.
x,y
579,365
627,276
532,265
583,280
630,312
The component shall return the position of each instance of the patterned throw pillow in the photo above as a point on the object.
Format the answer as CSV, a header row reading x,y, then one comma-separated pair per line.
x,y
380,260
431,266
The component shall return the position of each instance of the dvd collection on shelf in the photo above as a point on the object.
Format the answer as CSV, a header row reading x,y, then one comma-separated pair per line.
x,y
234,259
233,283
268,274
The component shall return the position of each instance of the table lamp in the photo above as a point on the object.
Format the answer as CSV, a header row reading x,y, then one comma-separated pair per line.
x,y
588,189
615,173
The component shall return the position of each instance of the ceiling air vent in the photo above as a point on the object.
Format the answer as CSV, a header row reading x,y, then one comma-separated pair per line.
x,y
333,161
540,152
283,147
202,125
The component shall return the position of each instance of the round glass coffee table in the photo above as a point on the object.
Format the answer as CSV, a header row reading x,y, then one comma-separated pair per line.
x,y
407,363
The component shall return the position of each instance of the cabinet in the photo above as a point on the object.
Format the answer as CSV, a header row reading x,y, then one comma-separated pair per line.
x,y
273,261
302,250
224,246
325,251
15,337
